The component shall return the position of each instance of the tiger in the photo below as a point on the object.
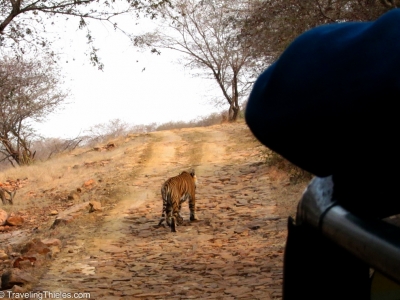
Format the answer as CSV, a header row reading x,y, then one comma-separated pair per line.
x,y
174,192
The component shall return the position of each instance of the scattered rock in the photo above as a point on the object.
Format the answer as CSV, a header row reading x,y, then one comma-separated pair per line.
x,y
89,183
15,221
233,252
110,146
3,255
18,289
36,246
223,179
95,206
15,276
71,213
24,262
107,147
74,195
60,221
53,213
3,217
4,228
52,242
241,230
13,184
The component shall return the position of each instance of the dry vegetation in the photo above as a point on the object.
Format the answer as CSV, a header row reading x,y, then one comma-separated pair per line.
x,y
67,171
286,169
59,183
54,179
54,184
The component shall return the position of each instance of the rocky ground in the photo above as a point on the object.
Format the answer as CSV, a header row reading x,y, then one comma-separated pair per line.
x,y
235,250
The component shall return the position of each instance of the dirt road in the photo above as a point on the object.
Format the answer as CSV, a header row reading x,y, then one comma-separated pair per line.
x,y
234,251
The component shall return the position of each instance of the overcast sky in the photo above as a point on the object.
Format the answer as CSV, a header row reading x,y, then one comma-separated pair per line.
x,y
137,87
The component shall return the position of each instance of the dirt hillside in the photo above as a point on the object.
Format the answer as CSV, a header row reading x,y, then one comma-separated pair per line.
x,y
234,251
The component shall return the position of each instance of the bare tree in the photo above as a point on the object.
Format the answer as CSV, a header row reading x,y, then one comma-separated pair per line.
x,y
206,33
24,25
29,91
103,132
46,148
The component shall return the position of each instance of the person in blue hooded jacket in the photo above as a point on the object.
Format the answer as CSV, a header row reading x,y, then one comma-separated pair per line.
x,y
329,104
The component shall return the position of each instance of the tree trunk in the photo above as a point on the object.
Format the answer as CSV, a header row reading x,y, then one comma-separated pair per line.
x,y
234,103
22,155
233,113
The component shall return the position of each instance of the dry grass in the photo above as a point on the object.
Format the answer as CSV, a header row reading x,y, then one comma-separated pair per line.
x,y
51,181
213,119
276,161
48,183
62,174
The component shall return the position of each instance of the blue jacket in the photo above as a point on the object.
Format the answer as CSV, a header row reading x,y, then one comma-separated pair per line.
x,y
329,105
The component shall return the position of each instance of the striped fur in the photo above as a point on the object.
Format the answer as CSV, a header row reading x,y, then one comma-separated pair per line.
x,y
174,192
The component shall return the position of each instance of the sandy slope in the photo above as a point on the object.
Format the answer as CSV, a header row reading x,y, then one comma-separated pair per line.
x,y
233,252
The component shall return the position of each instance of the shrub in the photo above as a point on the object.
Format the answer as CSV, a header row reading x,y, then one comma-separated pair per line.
x,y
295,173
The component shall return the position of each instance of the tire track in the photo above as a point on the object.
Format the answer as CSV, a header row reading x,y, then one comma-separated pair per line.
x,y
155,160
233,252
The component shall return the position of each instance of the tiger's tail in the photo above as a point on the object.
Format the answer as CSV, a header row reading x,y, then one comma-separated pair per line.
x,y
164,195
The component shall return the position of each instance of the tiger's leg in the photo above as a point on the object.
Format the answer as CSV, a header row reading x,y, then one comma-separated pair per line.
x,y
163,215
169,214
192,208
175,217
164,208
179,217
161,221
173,224
174,221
